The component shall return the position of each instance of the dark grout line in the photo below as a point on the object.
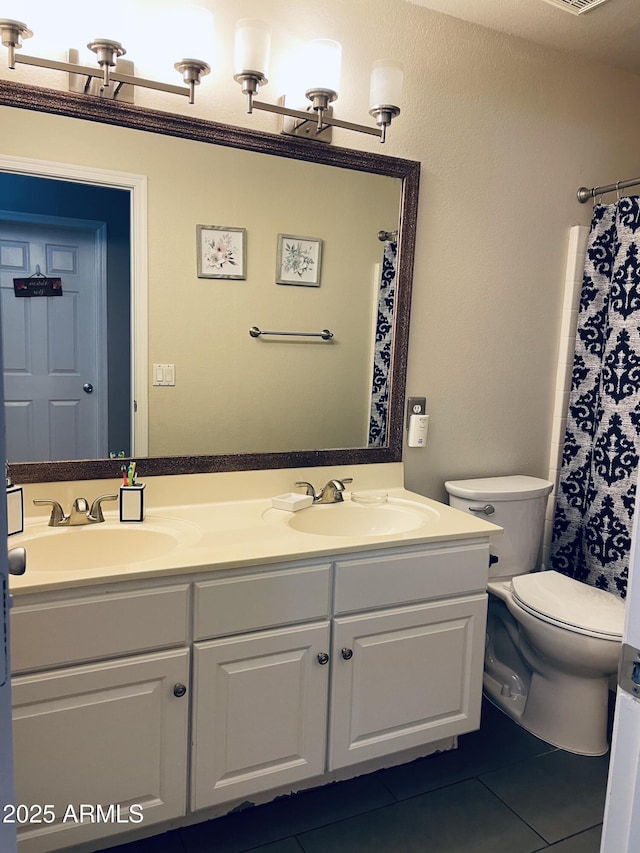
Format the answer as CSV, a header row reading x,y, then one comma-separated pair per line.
x,y
515,813
573,835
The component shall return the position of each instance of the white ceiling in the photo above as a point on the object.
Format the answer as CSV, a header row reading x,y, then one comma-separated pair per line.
x,y
609,33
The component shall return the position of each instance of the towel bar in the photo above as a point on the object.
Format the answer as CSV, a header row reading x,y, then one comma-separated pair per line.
x,y
325,334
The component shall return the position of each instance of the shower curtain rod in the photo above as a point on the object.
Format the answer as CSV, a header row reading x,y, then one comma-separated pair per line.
x,y
584,193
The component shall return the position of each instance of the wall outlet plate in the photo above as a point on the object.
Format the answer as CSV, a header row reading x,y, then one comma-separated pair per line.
x,y
416,406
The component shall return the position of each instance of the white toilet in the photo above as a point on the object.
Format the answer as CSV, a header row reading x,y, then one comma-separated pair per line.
x,y
552,642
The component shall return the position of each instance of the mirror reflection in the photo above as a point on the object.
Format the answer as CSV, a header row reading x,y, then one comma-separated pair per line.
x,y
67,364
211,388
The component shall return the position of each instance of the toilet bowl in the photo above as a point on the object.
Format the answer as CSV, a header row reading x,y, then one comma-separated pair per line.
x,y
552,643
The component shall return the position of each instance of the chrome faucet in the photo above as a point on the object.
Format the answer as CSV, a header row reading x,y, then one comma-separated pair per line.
x,y
331,493
80,511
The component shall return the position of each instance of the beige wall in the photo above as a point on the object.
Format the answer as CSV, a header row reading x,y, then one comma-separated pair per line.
x,y
506,132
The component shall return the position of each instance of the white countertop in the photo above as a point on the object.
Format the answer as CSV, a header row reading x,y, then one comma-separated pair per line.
x,y
222,535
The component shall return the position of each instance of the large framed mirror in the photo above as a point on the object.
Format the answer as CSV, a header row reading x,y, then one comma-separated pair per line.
x,y
288,401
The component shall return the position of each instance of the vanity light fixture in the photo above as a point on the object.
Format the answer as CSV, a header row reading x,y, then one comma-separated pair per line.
x,y
107,53
322,60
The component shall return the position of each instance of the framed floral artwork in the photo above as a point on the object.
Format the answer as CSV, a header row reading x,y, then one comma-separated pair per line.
x,y
221,252
298,260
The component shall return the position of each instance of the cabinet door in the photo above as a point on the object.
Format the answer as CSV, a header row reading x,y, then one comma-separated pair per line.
x,y
405,677
111,734
259,712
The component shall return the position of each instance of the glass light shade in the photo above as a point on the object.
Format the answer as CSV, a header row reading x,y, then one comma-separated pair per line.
x,y
110,20
43,20
323,60
252,47
25,11
193,39
158,42
387,77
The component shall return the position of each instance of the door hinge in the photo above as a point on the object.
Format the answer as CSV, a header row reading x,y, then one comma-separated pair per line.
x,y
629,670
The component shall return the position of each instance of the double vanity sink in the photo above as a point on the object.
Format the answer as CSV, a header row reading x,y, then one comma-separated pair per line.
x,y
226,534
225,652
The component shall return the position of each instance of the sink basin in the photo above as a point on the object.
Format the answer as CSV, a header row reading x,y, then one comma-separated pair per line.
x,y
94,546
352,519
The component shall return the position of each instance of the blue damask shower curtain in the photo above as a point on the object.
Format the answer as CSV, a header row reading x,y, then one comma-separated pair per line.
x,y
382,353
596,493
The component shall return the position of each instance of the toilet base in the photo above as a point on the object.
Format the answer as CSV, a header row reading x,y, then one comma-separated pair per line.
x,y
569,713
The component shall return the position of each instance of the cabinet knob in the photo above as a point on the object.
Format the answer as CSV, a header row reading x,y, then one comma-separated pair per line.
x,y
179,690
347,654
323,658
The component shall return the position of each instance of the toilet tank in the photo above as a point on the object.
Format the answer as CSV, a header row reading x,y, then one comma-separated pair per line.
x,y
520,503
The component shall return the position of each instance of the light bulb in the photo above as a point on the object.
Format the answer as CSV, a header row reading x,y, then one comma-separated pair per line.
x,y
252,47
387,77
194,38
323,60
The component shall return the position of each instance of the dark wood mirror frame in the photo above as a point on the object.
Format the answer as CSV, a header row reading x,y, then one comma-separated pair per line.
x,y
138,118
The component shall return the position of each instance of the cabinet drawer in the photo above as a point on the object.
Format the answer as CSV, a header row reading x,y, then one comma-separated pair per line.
x,y
99,626
418,576
248,602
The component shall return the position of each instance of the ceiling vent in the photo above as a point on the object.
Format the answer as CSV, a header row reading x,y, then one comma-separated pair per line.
x,y
576,7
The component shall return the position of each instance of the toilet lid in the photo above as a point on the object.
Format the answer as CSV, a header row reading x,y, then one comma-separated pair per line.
x,y
569,603
515,487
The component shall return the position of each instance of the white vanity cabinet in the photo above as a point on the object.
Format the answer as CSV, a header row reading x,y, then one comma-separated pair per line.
x,y
106,730
301,672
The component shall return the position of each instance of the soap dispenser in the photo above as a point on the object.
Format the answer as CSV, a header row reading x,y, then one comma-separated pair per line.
x,y
15,505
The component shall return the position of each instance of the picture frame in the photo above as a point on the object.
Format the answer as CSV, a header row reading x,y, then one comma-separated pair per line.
x,y
221,252
298,260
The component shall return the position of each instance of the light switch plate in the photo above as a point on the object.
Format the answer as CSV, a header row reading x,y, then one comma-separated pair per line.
x,y
164,374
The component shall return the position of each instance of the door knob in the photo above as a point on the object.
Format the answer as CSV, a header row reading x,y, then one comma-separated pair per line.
x,y
87,388
323,658
347,654
179,690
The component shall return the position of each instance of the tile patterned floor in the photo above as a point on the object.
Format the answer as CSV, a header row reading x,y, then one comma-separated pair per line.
x,y
501,791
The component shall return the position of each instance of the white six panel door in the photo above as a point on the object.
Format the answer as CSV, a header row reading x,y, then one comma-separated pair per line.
x,y
54,347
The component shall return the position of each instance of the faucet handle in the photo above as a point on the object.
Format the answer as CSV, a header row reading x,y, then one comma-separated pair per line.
x,y
96,507
339,485
57,513
334,490
309,488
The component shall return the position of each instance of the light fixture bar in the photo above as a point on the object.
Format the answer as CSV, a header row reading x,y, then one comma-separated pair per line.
x,y
89,71
107,54
320,73
311,117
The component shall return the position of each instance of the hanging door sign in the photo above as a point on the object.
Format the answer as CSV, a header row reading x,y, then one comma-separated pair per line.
x,y
37,285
